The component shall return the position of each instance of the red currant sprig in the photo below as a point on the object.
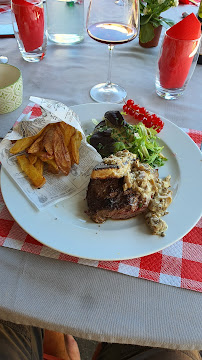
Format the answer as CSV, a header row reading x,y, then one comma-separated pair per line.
x,y
141,114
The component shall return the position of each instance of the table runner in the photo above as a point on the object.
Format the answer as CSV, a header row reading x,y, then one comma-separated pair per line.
x,y
178,265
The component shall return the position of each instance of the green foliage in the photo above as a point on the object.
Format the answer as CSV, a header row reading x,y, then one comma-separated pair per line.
x,y
150,17
147,32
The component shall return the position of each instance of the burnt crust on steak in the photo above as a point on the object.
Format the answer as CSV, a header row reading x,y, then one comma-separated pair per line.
x,y
106,199
120,188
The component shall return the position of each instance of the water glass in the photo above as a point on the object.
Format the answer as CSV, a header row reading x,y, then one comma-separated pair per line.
x,y
176,63
28,20
65,21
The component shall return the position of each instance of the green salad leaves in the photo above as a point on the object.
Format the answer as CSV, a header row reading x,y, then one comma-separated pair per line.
x,y
110,136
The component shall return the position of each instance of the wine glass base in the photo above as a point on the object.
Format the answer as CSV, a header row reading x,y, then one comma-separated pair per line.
x,y
104,93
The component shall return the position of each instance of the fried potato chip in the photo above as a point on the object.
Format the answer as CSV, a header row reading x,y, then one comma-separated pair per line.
x,y
61,153
74,146
48,140
52,166
50,160
36,146
23,144
56,145
44,156
35,177
39,166
68,132
32,158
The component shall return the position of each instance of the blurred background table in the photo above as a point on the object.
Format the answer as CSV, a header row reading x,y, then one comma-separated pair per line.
x,y
72,298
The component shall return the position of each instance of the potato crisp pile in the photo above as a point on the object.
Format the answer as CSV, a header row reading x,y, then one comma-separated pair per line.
x,y
56,146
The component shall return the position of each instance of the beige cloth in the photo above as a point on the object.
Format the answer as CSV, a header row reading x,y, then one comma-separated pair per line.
x,y
97,304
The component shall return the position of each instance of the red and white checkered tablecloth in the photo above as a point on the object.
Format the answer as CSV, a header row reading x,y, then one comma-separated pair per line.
x,y
178,265
4,8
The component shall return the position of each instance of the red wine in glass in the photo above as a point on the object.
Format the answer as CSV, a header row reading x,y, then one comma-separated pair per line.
x,y
110,24
112,33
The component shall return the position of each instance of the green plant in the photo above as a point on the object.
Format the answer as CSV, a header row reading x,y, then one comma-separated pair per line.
x,y
150,17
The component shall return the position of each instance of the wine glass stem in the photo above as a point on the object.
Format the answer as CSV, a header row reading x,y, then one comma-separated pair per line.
x,y
110,47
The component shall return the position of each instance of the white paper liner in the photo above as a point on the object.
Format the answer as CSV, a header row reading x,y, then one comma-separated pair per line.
x,y
58,186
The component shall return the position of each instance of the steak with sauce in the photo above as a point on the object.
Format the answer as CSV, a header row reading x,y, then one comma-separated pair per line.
x,y
120,187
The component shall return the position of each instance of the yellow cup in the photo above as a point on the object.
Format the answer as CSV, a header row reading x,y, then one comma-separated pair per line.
x,y
11,88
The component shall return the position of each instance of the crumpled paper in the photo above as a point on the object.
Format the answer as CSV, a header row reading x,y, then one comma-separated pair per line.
x,y
58,186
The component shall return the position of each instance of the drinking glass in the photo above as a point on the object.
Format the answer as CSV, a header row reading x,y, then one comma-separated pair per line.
x,y
65,21
175,66
112,25
119,2
28,20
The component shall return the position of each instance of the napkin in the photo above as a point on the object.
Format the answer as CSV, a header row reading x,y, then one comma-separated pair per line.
x,y
30,22
178,51
187,2
184,1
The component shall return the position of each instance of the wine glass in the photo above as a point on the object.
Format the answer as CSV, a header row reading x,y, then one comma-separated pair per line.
x,y
119,2
112,25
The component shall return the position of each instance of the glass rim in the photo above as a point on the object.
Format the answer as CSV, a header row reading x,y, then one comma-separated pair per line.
x,y
13,83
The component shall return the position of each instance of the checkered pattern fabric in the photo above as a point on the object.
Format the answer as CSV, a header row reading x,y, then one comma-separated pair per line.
x,y
178,265
4,8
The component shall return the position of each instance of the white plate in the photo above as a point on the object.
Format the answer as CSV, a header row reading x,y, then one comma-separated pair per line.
x,y
66,228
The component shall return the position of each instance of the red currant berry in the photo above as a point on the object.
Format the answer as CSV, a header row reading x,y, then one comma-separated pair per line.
x,y
142,111
141,114
130,111
135,107
139,117
130,102
125,108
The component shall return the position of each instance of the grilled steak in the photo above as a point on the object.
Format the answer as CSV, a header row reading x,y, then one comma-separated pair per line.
x,y
106,199
120,188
